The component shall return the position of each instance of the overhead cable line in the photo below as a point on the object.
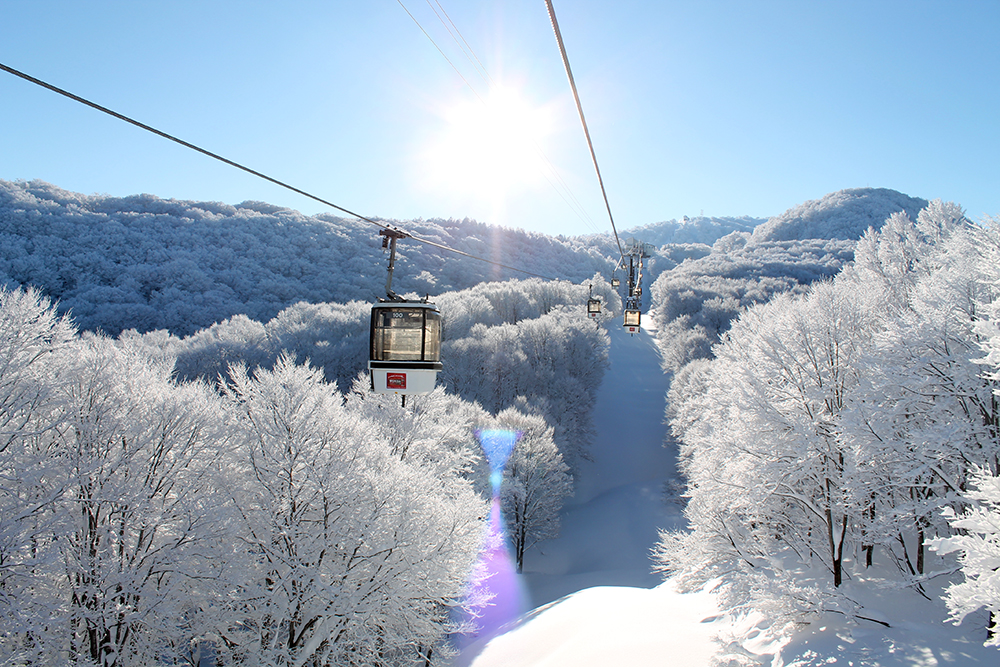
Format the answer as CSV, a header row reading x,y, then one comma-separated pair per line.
x,y
467,50
237,165
426,34
484,74
583,120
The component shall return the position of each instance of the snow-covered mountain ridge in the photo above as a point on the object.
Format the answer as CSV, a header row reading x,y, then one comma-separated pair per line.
x,y
146,263
699,229
845,214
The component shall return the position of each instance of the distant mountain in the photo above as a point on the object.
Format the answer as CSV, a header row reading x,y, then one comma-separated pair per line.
x,y
700,229
146,263
841,215
696,302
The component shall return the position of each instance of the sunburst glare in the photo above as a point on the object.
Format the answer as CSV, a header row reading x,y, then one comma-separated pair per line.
x,y
488,148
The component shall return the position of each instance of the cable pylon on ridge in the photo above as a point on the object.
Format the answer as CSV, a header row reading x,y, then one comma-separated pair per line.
x,y
94,105
583,120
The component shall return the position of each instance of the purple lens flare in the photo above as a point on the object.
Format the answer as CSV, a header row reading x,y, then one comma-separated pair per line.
x,y
498,581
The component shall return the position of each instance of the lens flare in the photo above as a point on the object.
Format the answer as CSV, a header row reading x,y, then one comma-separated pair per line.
x,y
497,444
496,575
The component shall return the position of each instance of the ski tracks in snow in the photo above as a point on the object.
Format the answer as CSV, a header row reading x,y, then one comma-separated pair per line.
x,y
621,501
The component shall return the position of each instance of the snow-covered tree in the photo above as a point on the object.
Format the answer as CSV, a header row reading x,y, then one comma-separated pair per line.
x,y
978,541
978,549
434,430
832,428
354,554
926,415
696,301
110,520
791,367
536,482
139,515
555,361
146,520
33,346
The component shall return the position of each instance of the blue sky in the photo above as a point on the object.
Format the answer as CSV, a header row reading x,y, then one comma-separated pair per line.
x,y
695,107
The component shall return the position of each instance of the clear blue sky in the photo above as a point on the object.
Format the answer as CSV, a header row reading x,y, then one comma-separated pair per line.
x,y
721,108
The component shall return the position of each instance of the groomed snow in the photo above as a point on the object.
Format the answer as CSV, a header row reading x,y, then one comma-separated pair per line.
x,y
605,625
598,604
596,599
611,523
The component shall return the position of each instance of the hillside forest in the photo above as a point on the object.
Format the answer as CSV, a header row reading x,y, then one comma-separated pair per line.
x,y
195,468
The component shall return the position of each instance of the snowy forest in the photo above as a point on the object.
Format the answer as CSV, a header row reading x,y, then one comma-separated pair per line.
x,y
194,467
845,433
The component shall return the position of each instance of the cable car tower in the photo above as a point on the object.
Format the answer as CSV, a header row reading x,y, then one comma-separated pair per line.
x,y
405,350
637,251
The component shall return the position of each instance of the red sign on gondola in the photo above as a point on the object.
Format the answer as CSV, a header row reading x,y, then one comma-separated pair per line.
x,y
395,380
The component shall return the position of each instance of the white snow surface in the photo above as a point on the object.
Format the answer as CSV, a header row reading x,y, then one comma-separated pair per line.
x,y
596,599
611,523
596,602
607,625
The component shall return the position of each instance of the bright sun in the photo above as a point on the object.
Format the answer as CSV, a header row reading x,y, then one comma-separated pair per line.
x,y
489,148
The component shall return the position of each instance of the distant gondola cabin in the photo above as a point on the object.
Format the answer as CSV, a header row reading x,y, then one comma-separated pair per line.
x,y
405,347
632,320
593,307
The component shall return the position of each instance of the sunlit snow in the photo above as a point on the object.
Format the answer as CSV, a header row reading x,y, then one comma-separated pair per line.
x,y
598,604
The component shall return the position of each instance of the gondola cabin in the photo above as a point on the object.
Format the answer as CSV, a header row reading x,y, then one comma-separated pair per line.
x,y
593,308
632,320
405,352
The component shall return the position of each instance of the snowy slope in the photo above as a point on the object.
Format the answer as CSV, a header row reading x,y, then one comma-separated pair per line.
x,y
611,523
596,604
613,614
613,627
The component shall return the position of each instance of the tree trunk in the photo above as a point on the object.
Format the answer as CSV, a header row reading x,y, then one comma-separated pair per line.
x,y
869,549
920,550
835,557
836,550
